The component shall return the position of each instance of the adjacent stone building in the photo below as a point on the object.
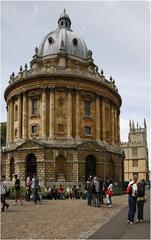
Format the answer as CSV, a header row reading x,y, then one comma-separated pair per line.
x,y
62,114
136,153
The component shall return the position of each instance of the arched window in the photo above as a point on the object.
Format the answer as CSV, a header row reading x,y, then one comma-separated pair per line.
x,y
87,108
16,112
35,107
90,166
60,167
31,165
12,167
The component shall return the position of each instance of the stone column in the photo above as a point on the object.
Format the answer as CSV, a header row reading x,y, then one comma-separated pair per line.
x,y
75,167
103,120
97,118
77,114
112,122
115,123
43,115
25,117
51,113
19,117
8,118
118,128
69,132
11,121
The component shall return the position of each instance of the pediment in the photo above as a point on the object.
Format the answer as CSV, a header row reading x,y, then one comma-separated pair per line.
x,y
89,145
30,144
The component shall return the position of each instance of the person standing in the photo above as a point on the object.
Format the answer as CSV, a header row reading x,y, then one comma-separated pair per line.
x,y
35,187
88,188
140,200
17,190
132,198
4,189
109,193
96,193
28,188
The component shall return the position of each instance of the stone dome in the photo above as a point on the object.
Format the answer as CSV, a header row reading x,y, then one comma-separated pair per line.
x,y
63,37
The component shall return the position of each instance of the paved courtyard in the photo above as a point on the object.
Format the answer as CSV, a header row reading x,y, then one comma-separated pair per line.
x,y
56,219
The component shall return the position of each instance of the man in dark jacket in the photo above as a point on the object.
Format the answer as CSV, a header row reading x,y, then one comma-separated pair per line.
x,y
88,187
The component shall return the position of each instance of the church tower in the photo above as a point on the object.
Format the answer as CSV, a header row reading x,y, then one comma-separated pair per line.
x,y
136,152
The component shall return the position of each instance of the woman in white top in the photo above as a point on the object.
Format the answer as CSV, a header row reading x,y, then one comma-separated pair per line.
x,y
109,193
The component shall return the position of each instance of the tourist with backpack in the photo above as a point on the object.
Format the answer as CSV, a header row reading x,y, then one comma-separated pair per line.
x,y
132,198
140,200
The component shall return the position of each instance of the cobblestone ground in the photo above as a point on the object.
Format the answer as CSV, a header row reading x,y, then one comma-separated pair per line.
x,y
56,219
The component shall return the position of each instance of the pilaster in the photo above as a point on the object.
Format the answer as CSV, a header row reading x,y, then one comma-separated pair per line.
x,y
43,116
69,132
51,113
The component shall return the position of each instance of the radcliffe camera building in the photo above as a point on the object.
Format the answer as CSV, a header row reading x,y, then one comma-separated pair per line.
x,y
62,114
136,153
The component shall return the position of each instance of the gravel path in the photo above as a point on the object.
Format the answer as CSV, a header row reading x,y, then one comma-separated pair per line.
x,y
56,219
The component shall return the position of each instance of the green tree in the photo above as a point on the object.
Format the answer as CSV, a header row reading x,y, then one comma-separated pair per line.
x,y
3,133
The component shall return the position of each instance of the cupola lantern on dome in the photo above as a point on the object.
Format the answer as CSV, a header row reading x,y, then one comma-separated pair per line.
x,y
64,20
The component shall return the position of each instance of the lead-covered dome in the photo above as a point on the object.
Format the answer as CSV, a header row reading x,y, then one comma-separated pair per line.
x,y
64,37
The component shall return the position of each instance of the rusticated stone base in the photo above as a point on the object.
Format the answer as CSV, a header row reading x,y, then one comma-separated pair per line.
x,y
67,164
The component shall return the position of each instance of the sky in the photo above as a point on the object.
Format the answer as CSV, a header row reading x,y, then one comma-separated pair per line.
x,y
117,32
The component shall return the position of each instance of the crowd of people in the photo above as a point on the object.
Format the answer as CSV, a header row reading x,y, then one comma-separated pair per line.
x,y
74,192
96,192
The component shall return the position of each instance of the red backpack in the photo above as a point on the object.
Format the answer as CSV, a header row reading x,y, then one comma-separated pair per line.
x,y
129,188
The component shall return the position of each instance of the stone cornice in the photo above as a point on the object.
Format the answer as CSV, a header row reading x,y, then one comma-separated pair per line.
x,y
59,80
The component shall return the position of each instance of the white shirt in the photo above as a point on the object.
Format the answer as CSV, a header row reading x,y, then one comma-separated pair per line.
x,y
4,187
110,186
134,188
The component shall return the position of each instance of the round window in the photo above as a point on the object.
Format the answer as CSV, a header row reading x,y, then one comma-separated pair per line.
x,y
50,40
75,42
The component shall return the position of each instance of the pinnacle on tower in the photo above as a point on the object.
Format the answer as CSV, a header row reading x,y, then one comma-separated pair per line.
x,y
130,124
133,125
145,126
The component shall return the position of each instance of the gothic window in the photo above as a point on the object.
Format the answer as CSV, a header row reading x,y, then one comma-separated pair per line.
x,y
34,129
134,151
16,112
34,107
87,108
60,128
87,130
135,163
